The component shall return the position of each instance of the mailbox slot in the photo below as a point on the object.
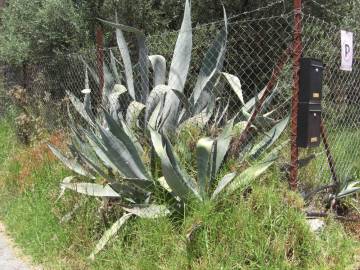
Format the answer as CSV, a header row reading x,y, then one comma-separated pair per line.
x,y
309,120
311,76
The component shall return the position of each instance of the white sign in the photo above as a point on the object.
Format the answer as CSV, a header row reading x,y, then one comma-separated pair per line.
x,y
347,52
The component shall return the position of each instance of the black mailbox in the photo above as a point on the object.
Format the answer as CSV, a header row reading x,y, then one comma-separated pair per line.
x,y
309,120
311,76
309,113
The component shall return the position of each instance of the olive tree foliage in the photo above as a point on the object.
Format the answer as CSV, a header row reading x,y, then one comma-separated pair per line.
x,y
34,28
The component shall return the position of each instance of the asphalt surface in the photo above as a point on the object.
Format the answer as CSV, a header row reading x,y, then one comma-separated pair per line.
x,y
9,259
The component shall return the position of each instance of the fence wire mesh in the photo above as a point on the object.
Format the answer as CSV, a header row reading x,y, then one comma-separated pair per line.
x,y
256,48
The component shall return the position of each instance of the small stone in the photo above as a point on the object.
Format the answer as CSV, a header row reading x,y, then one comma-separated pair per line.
x,y
316,224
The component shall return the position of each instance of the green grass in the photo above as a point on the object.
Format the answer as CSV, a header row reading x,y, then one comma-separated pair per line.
x,y
266,229
345,150
6,140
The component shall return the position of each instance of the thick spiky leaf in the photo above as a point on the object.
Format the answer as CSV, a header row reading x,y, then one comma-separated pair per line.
x,y
218,118
92,71
99,149
199,120
349,189
202,117
69,215
113,99
182,53
164,184
212,63
91,189
109,83
249,175
121,157
130,142
122,27
133,112
158,63
205,153
178,72
81,109
269,99
155,97
143,59
83,146
149,211
274,153
181,183
183,99
251,103
154,118
93,166
71,164
114,68
109,234
170,112
235,84
270,138
132,136
125,55
62,189
223,143
222,184
260,120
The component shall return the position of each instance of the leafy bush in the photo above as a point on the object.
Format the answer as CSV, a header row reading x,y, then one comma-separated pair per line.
x,y
35,28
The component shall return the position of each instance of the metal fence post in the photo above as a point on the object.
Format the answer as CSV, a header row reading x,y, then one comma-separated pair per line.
x,y
295,93
329,156
100,56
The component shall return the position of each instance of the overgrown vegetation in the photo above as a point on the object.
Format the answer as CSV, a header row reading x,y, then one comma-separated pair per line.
x,y
264,229
33,29
158,176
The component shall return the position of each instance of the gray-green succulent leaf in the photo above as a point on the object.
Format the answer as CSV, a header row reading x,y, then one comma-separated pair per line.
x,y
149,211
109,234
349,189
212,63
158,63
177,178
72,164
235,84
270,138
133,113
91,189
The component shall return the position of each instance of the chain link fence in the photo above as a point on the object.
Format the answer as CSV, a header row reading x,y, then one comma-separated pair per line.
x,y
258,53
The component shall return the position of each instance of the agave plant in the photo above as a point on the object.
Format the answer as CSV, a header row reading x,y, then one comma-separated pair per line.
x,y
210,154
264,117
107,153
166,106
109,150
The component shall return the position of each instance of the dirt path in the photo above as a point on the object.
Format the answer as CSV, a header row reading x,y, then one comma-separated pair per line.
x,y
10,256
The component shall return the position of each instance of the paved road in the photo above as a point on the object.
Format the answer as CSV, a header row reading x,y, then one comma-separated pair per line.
x,y
8,258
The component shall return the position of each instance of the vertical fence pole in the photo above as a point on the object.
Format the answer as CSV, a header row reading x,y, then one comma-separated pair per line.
x,y
100,56
330,158
295,93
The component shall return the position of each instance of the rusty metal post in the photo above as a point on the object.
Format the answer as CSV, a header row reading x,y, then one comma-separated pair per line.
x,y
295,93
328,152
269,88
100,57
